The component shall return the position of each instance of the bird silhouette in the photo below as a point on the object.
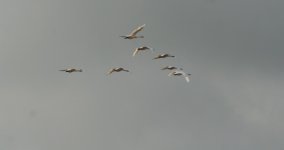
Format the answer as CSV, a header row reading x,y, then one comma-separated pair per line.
x,y
180,73
70,70
163,56
133,35
142,48
119,69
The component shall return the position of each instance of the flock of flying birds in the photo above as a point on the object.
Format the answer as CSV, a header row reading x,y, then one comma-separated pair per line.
x,y
175,71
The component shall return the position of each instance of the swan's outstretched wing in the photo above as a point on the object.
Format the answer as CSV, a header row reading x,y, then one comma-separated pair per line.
x,y
134,32
171,73
187,78
164,68
135,52
110,71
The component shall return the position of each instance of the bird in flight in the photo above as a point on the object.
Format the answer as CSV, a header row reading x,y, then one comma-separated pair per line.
x,y
117,70
171,68
180,73
163,56
142,48
133,35
70,70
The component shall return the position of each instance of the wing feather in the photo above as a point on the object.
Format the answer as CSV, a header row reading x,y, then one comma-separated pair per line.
x,y
171,73
134,32
135,52
187,78
110,71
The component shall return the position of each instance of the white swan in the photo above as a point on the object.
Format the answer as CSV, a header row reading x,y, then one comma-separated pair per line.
x,y
133,35
70,70
116,70
142,48
180,73
171,68
163,56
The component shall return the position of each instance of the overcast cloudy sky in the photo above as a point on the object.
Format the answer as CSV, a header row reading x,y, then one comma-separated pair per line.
x,y
233,49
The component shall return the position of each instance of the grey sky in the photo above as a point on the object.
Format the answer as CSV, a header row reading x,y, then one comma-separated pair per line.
x,y
233,49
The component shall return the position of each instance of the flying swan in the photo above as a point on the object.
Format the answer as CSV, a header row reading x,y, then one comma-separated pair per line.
x,y
163,56
142,48
70,70
180,73
133,35
116,70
